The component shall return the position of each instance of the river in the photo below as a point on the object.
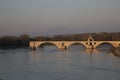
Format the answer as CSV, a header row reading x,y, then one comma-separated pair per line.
x,y
49,63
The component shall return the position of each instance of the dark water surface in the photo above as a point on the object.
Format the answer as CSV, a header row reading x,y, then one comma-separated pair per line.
x,y
52,64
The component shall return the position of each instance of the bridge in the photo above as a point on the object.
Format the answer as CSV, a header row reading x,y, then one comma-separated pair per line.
x,y
89,44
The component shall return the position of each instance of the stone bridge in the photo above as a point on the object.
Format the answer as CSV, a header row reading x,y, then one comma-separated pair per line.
x,y
89,44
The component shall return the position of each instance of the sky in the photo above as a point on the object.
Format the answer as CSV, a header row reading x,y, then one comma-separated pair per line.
x,y
51,17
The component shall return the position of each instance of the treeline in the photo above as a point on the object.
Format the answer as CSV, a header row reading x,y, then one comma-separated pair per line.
x,y
23,40
14,41
103,36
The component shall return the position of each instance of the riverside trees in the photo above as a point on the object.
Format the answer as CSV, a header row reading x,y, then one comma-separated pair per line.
x,y
14,41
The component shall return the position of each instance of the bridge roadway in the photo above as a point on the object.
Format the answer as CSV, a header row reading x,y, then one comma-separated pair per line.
x,y
65,44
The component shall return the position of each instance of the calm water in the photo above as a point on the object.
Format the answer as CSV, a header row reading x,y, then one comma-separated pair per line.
x,y
50,63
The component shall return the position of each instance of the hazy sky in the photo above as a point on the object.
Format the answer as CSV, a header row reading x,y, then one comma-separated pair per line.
x,y
50,17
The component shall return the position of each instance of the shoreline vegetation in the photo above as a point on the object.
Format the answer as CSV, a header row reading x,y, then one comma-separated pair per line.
x,y
23,40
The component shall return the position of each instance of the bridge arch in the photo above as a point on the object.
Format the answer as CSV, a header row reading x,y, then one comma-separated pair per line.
x,y
47,44
76,43
105,43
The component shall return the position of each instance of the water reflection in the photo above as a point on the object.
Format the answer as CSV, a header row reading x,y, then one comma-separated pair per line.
x,y
90,51
53,64
41,54
102,48
77,64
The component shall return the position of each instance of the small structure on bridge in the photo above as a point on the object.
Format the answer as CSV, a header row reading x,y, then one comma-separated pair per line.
x,y
90,38
89,44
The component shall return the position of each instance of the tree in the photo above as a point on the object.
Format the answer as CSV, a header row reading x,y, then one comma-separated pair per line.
x,y
24,39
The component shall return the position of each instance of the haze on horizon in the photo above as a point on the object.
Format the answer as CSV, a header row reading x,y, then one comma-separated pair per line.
x,y
50,17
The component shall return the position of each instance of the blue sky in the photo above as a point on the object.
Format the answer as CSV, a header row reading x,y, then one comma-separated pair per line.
x,y
50,17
